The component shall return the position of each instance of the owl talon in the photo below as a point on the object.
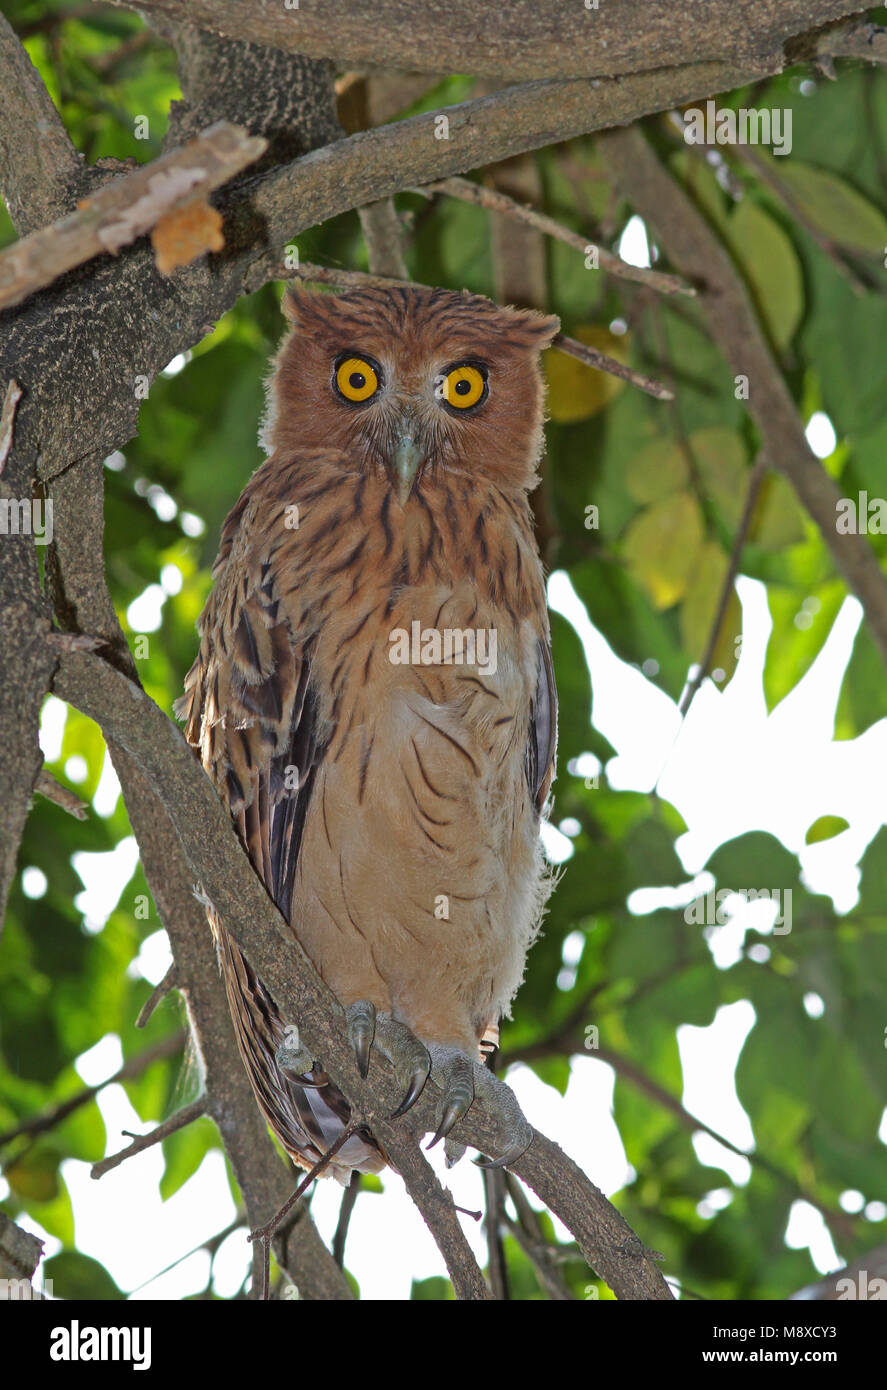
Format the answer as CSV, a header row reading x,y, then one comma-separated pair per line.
x,y
453,1151
361,1019
454,1076
296,1061
461,1079
407,1055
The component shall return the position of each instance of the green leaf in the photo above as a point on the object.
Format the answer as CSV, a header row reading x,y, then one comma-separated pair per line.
x,y
662,547
770,264
699,609
80,1277
722,461
834,207
863,698
797,636
184,1152
825,828
436,1290
654,472
777,520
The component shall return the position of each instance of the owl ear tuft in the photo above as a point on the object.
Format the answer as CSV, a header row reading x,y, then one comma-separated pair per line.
x,y
531,329
292,302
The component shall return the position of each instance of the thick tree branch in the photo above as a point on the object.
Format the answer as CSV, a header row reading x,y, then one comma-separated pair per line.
x,y
39,167
697,252
520,41
126,208
217,860
80,344
76,582
20,1252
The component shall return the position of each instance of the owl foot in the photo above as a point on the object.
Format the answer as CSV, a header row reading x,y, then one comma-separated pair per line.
x,y
394,1040
460,1078
293,1058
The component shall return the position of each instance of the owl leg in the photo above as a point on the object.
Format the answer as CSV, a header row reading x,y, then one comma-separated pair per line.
x,y
394,1040
461,1078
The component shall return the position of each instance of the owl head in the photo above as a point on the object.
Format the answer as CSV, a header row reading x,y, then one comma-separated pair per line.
x,y
413,383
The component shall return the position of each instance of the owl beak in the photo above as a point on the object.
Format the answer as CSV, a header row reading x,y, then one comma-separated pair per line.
x,y
406,461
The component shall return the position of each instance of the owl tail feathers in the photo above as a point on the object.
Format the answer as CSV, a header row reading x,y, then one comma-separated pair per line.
x,y
308,1117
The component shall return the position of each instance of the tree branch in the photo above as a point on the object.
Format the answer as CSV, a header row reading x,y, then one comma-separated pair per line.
x,y
126,208
494,200
39,167
69,801
186,1116
158,993
217,860
602,363
520,41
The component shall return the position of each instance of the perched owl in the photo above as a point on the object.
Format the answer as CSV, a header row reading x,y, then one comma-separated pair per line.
x,y
373,696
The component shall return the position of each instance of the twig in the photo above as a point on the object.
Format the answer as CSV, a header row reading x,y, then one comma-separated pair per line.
x,y
211,1245
160,991
125,209
47,786
346,279
856,39
186,1116
134,1066
7,420
599,360
265,1234
755,480
494,1193
528,1234
349,1200
383,235
495,201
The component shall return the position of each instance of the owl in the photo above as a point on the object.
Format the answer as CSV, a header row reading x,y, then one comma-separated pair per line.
x,y
373,696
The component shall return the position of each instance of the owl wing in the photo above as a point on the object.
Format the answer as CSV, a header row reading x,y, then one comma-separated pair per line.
x,y
542,740
250,712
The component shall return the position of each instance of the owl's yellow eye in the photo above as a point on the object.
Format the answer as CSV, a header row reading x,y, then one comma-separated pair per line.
x,y
356,379
463,386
